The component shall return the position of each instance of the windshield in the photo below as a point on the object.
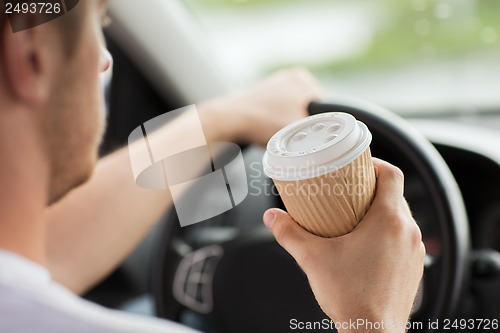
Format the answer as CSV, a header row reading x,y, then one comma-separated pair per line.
x,y
413,56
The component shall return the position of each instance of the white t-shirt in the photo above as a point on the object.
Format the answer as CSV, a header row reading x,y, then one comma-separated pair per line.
x,y
31,302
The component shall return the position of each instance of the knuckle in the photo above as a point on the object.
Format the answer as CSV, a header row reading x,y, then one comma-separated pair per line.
x,y
302,254
395,221
304,258
309,256
403,227
395,173
422,250
280,231
416,236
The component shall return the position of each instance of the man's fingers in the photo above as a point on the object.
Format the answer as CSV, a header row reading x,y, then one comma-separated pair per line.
x,y
390,183
389,203
389,213
291,236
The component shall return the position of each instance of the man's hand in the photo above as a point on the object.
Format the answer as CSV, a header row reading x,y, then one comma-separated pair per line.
x,y
371,273
255,114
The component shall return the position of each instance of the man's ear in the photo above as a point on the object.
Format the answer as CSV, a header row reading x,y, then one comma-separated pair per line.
x,y
25,71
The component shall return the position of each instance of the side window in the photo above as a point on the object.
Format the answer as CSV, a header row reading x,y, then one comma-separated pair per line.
x,y
413,56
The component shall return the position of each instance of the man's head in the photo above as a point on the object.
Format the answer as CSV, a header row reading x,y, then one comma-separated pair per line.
x,y
50,73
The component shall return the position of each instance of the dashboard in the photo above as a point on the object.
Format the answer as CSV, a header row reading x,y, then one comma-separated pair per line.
x,y
472,152
471,148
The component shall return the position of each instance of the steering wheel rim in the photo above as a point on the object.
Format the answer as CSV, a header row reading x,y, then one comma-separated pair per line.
x,y
435,175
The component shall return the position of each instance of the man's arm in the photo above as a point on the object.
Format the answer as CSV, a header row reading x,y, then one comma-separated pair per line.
x,y
372,273
95,227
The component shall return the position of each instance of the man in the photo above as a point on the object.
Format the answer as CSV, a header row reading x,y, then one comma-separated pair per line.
x,y
55,244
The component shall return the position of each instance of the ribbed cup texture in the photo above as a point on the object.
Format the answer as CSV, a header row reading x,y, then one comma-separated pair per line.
x,y
333,204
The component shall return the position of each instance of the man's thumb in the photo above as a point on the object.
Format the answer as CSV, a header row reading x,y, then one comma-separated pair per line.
x,y
291,236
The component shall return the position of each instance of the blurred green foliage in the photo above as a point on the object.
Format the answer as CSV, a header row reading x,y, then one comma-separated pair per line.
x,y
438,30
413,30
233,3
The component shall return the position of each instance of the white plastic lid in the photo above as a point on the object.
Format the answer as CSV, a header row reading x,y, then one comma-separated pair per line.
x,y
315,146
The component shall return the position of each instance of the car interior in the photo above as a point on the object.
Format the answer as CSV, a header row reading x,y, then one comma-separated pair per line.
x,y
436,116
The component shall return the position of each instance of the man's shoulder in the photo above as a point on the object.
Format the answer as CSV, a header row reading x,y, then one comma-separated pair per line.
x,y
56,310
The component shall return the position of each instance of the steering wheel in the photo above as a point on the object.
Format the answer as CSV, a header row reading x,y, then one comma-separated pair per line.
x,y
228,274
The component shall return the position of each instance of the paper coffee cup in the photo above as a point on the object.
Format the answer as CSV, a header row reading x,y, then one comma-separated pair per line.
x,y
323,170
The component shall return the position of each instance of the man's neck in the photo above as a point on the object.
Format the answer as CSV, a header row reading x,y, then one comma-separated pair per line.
x,y
23,187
